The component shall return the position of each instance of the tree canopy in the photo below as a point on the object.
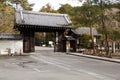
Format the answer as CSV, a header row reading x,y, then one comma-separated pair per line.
x,y
90,14
48,8
7,15
81,16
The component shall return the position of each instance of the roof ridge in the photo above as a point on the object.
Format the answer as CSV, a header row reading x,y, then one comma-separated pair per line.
x,y
43,13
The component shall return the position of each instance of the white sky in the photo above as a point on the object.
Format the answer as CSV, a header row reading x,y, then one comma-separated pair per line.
x,y
54,3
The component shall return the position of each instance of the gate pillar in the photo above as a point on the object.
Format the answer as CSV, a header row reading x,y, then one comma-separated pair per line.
x,y
32,41
61,43
28,41
73,45
55,41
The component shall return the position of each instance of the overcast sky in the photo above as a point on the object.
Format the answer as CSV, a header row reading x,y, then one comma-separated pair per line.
x,y
54,3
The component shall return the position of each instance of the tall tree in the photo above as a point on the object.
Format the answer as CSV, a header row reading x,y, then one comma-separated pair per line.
x,y
6,18
48,8
95,13
90,13
7,15
66,8
106,19
105,16
24,4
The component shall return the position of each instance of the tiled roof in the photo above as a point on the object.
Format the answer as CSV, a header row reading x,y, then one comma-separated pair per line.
x,y
85,30
42,19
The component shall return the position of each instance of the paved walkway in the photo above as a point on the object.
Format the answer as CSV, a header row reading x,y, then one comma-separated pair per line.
x,y
39,49
95,57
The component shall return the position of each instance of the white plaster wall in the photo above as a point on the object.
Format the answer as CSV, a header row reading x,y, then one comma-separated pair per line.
x,y
14,45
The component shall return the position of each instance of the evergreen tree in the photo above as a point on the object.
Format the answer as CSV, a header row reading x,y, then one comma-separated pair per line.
x,y
48,8
7,15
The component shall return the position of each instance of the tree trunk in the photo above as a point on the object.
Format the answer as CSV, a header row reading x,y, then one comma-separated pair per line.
x,y
105,30
92,38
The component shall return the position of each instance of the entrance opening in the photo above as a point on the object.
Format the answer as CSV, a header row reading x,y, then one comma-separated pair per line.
x,y
44,41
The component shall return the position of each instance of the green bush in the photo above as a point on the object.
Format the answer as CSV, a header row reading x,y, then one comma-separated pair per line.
x,y
86,43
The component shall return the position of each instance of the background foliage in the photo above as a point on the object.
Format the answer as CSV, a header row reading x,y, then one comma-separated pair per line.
x,y
7,15
81,16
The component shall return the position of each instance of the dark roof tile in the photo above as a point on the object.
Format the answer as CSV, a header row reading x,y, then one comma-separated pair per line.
x,y
41,18
85,30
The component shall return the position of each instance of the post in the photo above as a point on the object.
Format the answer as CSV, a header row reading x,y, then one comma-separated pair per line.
x,y
60,41
113,47
32,41
73,44
55,41
28,41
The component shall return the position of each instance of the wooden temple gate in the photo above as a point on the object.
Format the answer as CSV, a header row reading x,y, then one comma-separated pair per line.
x,y
29,38
28,22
